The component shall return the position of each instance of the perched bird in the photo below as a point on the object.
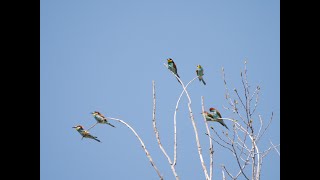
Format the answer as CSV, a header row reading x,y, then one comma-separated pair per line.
x,y
199,72
214,117
172,66
100,118
84,133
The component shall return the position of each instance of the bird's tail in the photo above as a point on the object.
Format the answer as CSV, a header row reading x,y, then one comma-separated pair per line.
x,y
110,124
203,81
178,80
223,124
95,138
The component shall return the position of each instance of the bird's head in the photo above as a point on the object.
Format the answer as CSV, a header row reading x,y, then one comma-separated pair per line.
x,y
198,66
78,127
212,109
95,113
169,60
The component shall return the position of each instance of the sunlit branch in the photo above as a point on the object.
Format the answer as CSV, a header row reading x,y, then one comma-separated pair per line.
x,y
157,132
175,124
223,177
142,144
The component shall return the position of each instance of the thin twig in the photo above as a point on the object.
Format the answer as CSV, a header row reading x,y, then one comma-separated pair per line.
x,y
157,132
227,95
246,91
92,126
236,155
235,90
243,145
270,148
275,147
219,136
261,125
257,100
142,144
219,143
224,167
238,162
265,129
244,165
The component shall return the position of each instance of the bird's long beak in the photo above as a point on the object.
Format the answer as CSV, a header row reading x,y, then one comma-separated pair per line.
x,y
201,113
74,127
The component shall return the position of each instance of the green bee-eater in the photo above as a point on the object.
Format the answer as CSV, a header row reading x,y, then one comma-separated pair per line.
x,y
84,133
199,72
214,117
172,66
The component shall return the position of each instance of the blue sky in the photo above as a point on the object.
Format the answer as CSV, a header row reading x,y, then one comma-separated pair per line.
x,y
103,55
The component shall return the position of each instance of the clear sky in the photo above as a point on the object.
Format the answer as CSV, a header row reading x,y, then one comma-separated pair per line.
x,y
103,55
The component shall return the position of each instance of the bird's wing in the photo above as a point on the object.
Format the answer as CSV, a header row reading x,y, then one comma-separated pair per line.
x,y
210,115
197,72
219,114
174,66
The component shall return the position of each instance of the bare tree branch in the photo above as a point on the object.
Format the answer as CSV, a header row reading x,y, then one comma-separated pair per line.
x,y
194,124
243,145
210,140
235,153
239,144
223,177
219,143
258,158
175,125
227,95
238,162
261,125
235,90
157,132
257,98
244,165
219,136
269,149
265,129
142,144
224,167
275,147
